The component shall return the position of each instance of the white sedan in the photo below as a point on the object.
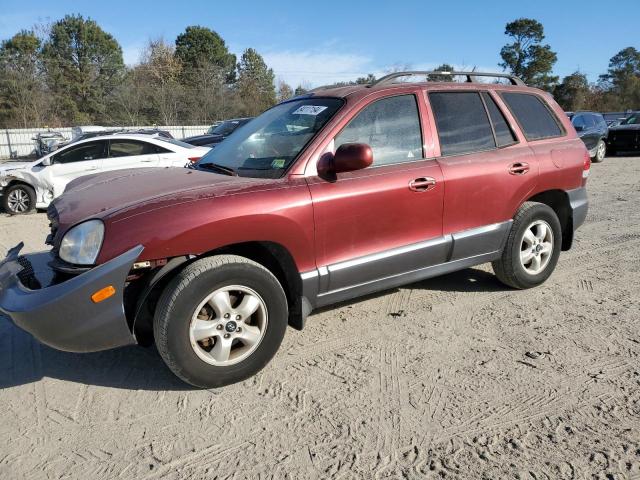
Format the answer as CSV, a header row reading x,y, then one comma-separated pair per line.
x,y
28,185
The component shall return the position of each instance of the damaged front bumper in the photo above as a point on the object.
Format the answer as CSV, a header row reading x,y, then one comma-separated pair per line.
x,y
63,315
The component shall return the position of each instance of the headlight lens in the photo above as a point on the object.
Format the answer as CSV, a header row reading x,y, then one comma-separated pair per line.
x,y
82,243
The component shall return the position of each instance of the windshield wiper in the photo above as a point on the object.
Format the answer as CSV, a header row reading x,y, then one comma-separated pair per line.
x,y
218,168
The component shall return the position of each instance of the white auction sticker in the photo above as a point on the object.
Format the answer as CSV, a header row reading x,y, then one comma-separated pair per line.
x,y
309,110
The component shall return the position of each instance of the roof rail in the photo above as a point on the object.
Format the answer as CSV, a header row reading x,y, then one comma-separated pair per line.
x,y
470,75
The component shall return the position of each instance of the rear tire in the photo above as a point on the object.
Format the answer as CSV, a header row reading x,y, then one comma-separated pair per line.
x,y
19,199
532,248
220,321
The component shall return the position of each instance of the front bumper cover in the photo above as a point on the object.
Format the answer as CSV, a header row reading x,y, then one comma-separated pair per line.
x,y
62,315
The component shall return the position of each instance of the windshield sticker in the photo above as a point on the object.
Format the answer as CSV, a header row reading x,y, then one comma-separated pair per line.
x,y
278,163
309,110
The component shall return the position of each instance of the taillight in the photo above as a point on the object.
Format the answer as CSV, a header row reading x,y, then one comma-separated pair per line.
x,y
586,167
194,159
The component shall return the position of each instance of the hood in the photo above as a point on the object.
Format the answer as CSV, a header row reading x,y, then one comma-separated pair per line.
x,y
10,165
204,139
104,194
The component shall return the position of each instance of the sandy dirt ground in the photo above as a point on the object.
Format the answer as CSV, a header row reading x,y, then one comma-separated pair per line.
x,y
428,381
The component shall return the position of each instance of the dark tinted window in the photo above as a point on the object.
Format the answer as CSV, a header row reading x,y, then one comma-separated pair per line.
x,y
128,148
535,118
462,122
504,135
590,120
86,151
578,121
391,127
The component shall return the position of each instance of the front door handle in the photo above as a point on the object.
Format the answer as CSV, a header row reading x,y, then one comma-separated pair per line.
x,y
518,168
90,168
422,184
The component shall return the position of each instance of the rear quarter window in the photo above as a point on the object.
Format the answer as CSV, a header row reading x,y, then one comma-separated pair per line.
x,y
534,116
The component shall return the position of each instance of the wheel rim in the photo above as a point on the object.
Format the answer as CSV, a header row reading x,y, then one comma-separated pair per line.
x,y
601,151
228,325
537,247
18,201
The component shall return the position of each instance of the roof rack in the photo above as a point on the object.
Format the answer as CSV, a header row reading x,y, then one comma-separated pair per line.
x,y
470,75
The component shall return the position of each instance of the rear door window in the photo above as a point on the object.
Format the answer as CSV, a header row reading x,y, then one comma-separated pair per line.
x,y
390,126
504,135
462,122
128,148
533,114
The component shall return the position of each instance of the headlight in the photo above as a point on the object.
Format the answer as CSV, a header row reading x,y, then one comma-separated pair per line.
x,y
82,243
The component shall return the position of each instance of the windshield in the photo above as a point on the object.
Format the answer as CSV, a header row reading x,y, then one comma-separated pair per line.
x,y
268,145
225,128
632,120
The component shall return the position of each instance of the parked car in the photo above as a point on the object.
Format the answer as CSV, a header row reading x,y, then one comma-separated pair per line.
x,y
319,200
117,131
217,133
614,118
28,185
47,142
592,129
626,136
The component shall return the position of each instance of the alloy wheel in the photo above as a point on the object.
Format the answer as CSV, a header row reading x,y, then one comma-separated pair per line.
x,y
536,248
18,201
228,325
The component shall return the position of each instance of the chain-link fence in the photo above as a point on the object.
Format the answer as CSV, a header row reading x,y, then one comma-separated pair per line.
x,y
19,142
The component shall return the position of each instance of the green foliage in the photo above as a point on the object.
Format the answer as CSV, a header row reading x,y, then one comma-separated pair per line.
x,y
622,80
83,65
526,57
200,47
255,83
573,93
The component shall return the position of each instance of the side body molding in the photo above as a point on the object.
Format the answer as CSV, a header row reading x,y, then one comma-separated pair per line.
x,y
399,266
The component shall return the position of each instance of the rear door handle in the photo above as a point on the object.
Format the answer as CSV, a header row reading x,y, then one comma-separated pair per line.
x,y
518,168
422,184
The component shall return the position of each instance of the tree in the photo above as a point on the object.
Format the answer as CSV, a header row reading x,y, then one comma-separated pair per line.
x,y
160,71
200,47
84,65
301,90
255,83
622,79
23,100
445,67
526,57
574,92
284,92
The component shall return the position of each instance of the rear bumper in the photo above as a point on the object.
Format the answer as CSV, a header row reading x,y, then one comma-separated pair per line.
x,y
579,204
62,315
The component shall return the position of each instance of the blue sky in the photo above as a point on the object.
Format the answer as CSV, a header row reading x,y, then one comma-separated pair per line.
x,y
321,42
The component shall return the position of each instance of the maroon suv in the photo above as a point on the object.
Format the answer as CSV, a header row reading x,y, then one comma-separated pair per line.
x,y
325,197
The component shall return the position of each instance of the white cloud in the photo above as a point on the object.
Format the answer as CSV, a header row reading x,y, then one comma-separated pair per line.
x,y
131,53
314,68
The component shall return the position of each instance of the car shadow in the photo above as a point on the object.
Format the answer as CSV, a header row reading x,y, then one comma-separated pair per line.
x,y
25,360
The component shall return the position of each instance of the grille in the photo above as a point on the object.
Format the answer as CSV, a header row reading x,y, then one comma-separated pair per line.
x,y
52,215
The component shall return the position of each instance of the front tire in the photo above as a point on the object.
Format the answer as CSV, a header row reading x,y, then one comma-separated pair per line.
x,y
532,248
220,321
19,199
601,151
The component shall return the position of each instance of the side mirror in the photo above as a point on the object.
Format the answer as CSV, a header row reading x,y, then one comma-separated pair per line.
x,y
47,162
579,128
348,158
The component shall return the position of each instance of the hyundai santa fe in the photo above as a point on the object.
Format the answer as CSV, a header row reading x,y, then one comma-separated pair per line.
x,y
323,198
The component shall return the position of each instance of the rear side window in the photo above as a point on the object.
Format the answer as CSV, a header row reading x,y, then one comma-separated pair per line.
x,y
390,126
534,116
462,122
504,135
128,148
